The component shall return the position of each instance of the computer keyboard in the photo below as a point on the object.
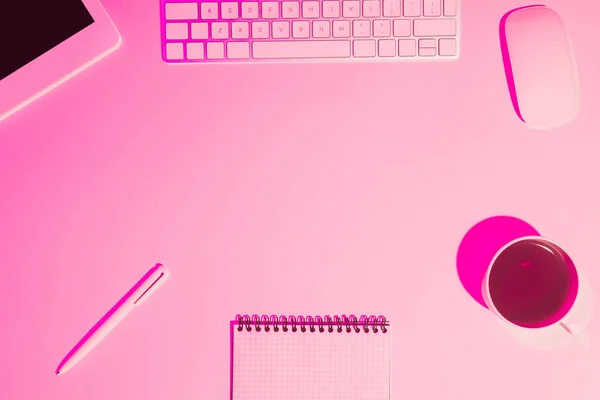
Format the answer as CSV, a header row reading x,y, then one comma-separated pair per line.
x,y
209,31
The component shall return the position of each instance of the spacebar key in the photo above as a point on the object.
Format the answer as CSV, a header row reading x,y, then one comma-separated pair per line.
x,y
302,49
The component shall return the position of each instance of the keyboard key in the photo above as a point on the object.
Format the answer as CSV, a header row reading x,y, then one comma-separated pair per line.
x,y
427,43
321,29
301,49
290,9
281,30
229,10
407,47
412,8
435,27
450,8
401,27
432,8
195,51
215,50
175,51
310,9
371,8
209,10
220,30
181,11
199,30
300,29
270,10
238,50
447,47
176,31
364,48
350,9
341,29
239,30
260,30
387,48
250,10
382,28
427,51
391,8
331,9
361,28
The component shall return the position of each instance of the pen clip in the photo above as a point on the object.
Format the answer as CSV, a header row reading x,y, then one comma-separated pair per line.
x,y
153,286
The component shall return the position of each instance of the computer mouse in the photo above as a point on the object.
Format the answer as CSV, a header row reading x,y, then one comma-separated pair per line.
x,y
540,66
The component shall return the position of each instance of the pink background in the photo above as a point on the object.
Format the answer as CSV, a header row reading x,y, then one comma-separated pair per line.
x,y
302,189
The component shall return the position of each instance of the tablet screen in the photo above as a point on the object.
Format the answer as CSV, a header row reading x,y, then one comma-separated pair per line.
x,y
31,28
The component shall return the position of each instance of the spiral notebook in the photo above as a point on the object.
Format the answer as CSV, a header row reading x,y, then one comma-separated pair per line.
x,y
310,358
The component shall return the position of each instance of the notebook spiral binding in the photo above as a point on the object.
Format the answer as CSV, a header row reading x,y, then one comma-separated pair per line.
x,y
294,323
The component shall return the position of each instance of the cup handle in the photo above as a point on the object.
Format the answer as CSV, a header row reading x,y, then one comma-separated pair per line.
x,y
576,332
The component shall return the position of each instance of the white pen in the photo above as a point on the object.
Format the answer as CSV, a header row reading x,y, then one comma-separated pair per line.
x,y
155,277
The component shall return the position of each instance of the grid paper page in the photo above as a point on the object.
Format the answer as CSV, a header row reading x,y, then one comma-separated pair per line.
x,y
311,365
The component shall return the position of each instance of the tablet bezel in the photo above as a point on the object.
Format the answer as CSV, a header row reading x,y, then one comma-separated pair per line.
x,y
60,63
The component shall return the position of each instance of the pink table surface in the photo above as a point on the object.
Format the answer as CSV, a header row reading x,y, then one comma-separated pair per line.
x,y
297,189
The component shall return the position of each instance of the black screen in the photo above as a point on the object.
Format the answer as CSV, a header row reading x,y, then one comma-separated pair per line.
x,y
30,28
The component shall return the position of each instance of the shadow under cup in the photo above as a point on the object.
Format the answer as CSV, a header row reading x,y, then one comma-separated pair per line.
x,y
533,283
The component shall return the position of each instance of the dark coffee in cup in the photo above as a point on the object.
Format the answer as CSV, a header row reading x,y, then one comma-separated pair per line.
x,y
533,283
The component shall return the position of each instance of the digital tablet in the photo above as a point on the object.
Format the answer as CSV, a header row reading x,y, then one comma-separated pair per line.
x,y
43,43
